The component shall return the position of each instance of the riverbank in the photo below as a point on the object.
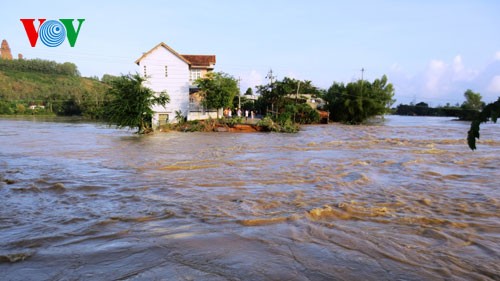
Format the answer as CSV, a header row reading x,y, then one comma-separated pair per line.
x,y
239,125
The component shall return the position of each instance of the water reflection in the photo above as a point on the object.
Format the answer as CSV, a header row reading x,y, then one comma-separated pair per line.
x,y
403,200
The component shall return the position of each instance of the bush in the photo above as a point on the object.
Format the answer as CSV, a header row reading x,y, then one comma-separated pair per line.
x,y
305,114
6,108
268,124
20,108
231,121
284,125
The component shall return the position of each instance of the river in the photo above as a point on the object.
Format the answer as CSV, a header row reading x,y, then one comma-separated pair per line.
x,y
404,199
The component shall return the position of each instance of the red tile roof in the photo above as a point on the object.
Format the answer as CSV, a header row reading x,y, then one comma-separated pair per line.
x,y
200,60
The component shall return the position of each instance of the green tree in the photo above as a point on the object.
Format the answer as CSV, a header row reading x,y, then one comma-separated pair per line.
x,y
249,92
276,96
285,103
492,111
471,107
356,102
108,78
218,90
472,101
131,102
422,109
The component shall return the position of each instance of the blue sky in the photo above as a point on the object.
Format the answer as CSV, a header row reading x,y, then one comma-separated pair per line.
x,y
431,51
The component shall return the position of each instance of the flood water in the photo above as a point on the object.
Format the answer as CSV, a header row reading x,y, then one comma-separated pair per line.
x,y
401,200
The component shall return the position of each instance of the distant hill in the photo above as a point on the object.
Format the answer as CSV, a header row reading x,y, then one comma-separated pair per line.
x,y
46,87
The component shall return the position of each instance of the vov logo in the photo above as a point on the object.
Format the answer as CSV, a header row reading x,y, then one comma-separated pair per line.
x,y
52,32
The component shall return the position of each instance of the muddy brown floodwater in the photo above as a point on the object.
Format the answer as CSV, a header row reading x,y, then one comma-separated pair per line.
x,y
402,200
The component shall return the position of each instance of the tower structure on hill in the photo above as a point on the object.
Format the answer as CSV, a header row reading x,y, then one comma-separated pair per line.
x,y
5,52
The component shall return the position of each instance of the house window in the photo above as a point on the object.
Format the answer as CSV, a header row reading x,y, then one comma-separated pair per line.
x,y
166,71
194,74
145,72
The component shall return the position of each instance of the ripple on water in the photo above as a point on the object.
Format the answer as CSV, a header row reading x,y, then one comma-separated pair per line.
x,y
386,202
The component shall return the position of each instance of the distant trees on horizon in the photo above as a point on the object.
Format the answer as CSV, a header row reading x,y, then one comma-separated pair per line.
x,y
472,105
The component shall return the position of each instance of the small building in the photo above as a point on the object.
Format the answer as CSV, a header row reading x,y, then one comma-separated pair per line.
x,y
5,52
167,70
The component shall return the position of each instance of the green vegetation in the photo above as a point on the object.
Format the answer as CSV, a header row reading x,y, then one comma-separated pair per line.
x,y
490,111
473,101
285,104
283,126
245,102
423,109
40,66
46,87
191,126
249,92
131,103
469,109
218,90
226,124
356,102
230,122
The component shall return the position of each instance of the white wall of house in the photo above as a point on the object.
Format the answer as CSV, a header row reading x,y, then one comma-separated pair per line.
x,y
202,115
174,80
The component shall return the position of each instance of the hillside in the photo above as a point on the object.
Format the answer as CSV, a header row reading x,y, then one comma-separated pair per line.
x,y
46,87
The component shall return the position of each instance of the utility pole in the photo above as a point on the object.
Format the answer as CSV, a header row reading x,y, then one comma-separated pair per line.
x,y
297,95
362,72
296,98
239,93
271,77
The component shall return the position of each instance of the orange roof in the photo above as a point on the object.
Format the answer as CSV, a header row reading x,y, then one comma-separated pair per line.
x,y
200,60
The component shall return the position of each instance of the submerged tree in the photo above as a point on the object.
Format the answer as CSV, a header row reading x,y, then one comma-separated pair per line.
x,y
131,103
471,107
358,101
492,111
472,101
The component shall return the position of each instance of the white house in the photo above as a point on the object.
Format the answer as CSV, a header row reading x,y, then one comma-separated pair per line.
x,y
167,70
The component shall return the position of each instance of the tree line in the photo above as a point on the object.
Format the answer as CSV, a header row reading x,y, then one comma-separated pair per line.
x,y
39,65
467,111
288,101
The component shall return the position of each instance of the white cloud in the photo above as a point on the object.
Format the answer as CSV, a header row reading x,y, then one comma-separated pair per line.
x,y
461,73
458,65
251,79
497,56
443,79
494,85
255,78
435,76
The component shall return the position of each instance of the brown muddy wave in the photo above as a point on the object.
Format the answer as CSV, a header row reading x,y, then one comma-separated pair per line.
x,y
401,200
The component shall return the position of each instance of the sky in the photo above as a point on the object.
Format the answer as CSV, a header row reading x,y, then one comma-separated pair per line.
x,y
431,51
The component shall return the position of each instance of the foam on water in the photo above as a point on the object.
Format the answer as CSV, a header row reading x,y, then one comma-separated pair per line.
x,y
402,200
